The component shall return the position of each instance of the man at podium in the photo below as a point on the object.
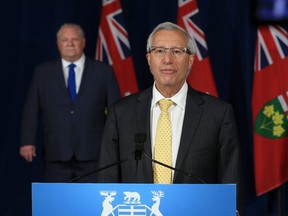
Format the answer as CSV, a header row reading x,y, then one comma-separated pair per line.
x,y
200,142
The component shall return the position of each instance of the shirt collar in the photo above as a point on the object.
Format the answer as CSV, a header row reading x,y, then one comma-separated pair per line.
x,y
79,63
179,98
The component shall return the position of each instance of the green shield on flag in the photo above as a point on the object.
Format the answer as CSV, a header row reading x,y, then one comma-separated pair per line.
x,y
271,121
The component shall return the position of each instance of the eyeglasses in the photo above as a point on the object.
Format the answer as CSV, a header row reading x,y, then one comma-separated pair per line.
x,y
174,51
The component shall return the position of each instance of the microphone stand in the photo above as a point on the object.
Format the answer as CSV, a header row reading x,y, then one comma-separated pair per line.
x,y
175,169
140,138
102,168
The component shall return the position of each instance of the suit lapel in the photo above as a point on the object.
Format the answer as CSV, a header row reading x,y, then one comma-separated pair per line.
x,y
143,126
143,117
83,79
61,79
192,117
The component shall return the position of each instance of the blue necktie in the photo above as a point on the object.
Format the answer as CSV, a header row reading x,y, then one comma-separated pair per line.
x,y
72,82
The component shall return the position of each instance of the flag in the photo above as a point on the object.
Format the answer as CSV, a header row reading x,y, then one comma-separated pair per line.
x,y
113,46
201,75
270,108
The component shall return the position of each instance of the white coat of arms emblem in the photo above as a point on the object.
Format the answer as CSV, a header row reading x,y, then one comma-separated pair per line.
x,y
131,204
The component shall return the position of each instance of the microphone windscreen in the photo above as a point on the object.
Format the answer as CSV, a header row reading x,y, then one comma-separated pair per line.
x,y
140,137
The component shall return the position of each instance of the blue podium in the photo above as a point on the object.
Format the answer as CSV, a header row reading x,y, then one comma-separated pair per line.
x,y
85,199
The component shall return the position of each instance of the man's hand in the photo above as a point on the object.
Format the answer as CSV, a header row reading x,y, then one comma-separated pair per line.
x,y
28,152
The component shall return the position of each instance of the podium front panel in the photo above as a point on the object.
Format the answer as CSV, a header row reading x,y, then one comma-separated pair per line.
x,y
85,199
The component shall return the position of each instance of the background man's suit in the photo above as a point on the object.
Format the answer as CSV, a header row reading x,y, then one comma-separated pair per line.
x,y
69,129
209,132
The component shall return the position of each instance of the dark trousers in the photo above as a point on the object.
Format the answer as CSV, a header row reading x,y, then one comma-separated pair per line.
x,y
64,171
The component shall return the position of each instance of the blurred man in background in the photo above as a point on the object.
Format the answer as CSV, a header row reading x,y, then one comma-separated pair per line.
x,y
70,95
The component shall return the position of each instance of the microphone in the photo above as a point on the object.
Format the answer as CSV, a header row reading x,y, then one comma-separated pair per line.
x,y
140,138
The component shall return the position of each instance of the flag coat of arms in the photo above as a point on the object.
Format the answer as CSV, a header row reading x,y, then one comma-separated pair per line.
x,y
270,108
113,46
201,75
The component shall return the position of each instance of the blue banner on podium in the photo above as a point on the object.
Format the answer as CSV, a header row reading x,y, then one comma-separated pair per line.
x,y
85,199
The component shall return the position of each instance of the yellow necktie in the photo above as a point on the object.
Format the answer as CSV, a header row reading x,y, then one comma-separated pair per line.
x,y
162,151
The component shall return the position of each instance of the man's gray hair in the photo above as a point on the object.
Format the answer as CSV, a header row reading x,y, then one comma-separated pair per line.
x,y
171,27
71,25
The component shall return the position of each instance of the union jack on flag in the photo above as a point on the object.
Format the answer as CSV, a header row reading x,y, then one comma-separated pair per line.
x,y
113,46
276,39
201,76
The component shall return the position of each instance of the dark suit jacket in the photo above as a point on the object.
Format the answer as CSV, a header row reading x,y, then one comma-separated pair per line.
x,y
208,147
69,129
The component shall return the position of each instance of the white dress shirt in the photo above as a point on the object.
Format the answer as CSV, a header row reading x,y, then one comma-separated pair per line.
x,y
78,70
176,111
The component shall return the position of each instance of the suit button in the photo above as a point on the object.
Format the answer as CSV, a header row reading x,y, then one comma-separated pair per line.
x,y
72,112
